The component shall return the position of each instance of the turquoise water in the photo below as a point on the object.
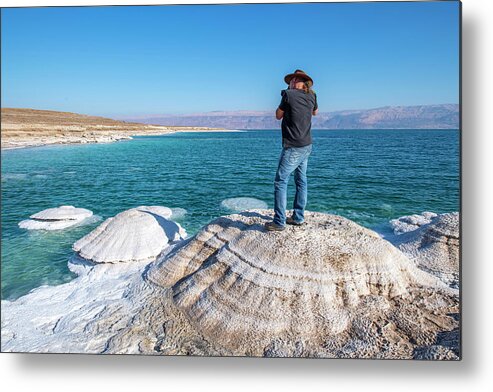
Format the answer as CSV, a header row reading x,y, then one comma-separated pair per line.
x,y
368,176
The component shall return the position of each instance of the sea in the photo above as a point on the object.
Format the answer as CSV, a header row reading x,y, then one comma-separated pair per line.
x,y
369,176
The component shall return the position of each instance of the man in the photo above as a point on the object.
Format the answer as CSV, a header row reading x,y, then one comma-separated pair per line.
x,y
297,106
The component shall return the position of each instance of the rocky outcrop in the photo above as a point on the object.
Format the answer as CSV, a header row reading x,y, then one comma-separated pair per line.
x,y
434,247
56,218
134,235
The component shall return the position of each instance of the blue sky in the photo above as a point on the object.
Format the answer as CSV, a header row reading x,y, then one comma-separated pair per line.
x,y
126,61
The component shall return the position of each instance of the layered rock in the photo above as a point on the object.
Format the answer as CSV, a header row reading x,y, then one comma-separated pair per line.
x,y
434,247
56,218
136,234
328,289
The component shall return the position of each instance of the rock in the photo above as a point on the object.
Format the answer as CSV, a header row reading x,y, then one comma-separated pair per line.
x,y
434,247
408,223
136,234
330,288
56,218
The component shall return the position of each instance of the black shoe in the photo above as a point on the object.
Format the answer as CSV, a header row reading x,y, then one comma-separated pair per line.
x,y
271,226
291,221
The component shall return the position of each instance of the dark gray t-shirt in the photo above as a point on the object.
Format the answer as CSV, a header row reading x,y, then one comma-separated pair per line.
x,y
297,120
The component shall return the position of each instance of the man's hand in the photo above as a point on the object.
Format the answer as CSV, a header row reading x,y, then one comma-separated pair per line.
x,y
315,112
279,113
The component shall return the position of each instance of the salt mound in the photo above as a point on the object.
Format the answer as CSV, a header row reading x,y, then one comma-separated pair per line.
x,y
239,204
434,247
409,223
330,288
56,218
164,212
62,213
133,235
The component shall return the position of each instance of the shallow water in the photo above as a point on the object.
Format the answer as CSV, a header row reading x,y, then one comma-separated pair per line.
x,y
370,176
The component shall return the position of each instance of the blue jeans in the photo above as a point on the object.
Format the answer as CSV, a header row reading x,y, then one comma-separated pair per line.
x,y
293,159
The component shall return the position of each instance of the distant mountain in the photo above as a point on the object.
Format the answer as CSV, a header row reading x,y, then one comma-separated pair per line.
x,y
389,117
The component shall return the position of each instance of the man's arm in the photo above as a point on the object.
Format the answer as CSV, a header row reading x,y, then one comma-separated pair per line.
x,y
279,113
283,105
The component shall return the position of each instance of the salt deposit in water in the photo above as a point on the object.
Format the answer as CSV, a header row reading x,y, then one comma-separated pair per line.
x,y
14,176
46,321
177,213
239,204
133,235
408,223
56,218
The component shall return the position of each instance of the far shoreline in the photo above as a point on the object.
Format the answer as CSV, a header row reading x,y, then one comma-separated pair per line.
x,y
28,144
28,128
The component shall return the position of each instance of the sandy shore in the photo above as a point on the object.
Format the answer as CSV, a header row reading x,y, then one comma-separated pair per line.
x,y
21,128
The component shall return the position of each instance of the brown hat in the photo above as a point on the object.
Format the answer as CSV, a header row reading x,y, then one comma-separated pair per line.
x,y
300,74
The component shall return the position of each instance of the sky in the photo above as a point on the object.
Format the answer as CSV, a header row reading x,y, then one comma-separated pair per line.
x,y
175,59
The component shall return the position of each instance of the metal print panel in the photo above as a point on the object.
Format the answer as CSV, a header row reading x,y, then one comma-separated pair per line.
x,y
262,180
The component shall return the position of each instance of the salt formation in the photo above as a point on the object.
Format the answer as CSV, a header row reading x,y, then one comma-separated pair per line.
x,y
328,289
107,309
434,247
408,223
56,218
238,204
136,234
